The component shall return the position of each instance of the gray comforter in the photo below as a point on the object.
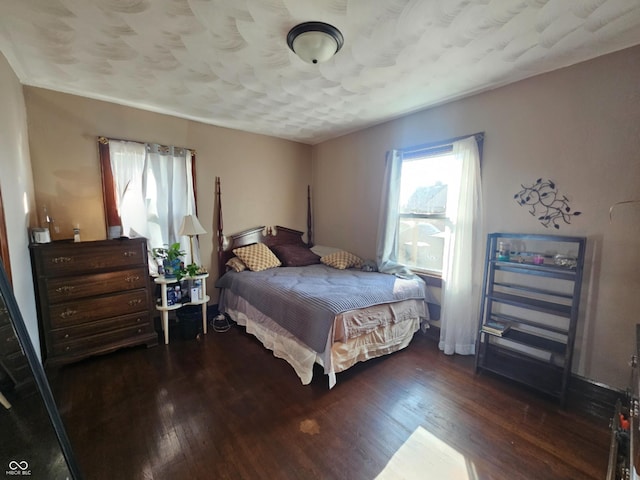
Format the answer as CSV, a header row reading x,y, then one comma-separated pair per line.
x,y
305,300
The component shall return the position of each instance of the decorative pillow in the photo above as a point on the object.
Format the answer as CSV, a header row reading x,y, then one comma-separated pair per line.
x,y
323,250
236,264
295,255
341,260
257,257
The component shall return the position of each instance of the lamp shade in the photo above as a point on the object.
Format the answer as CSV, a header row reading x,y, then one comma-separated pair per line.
x,y
191,226
315,42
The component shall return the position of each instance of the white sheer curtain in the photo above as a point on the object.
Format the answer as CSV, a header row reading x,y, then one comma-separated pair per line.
x,y
154,189
128,163
460,294
387,244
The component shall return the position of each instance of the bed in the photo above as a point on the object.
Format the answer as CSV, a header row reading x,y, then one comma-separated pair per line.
x,y
311,304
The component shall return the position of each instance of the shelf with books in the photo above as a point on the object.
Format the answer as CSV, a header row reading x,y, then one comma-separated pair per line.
x,y
513,320
529,310
494,327
535,341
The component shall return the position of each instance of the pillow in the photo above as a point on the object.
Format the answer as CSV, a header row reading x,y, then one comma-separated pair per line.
x,y
295,255
323,250
257,257
236,264
341,260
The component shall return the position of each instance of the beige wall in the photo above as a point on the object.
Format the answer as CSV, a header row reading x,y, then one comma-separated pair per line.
x,y
17,192
264,179
580,127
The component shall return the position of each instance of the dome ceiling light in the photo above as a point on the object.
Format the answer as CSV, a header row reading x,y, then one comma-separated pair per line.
x,y
315,42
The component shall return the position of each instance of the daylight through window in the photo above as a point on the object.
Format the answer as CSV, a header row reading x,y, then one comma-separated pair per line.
x,y
427,178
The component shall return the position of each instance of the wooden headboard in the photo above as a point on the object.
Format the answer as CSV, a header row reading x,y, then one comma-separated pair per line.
x,y
269,236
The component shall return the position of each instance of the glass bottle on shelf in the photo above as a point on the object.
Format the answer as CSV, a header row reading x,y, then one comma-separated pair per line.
x,y
504,251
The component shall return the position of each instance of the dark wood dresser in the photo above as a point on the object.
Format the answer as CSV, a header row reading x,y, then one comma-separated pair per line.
x,y
92,297
14,367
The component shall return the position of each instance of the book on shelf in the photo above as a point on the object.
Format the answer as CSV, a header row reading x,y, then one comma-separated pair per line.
x,y
495,328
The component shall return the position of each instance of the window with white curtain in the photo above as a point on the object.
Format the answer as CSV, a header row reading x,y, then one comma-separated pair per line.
x,y
149,188
431,221
423,220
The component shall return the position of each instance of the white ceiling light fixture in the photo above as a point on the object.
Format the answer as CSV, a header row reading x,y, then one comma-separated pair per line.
x,y
315,42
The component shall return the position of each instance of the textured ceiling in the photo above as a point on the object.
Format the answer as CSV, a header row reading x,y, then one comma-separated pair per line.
x,y
226,62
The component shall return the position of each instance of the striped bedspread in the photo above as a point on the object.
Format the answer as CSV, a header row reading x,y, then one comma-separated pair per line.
x,y
305,300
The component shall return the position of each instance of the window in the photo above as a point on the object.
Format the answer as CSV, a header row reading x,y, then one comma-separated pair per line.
x,y
431,221
423,223
148,189
430,179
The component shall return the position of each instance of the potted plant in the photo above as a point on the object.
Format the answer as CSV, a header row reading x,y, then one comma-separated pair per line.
x,y
192,286
171,259
193,270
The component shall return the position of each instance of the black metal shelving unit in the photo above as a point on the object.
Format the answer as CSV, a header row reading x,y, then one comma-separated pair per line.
x,y
538,302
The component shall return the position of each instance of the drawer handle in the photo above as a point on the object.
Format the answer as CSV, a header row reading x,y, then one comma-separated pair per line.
x,y
60,259
65,289
68,313
138,320
132,278
139,330
130,254
136,301
66,349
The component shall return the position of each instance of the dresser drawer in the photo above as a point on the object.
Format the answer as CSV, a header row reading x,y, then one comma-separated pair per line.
x,y
95,308
18,367
4,315
63,289
66,259
8,341
14,361
101,341
71,334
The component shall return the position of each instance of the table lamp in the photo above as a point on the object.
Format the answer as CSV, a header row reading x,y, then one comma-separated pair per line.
x,y
190,227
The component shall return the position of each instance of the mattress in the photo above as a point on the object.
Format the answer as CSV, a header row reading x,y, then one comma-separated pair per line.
x,y
306,300
355,336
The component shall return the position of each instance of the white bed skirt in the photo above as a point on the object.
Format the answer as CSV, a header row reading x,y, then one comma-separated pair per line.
x,y
393,331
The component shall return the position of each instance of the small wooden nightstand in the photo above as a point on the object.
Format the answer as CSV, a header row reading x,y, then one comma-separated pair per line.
x,y
164,308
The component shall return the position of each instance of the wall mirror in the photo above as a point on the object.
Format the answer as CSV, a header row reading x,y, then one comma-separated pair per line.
x,y
33,441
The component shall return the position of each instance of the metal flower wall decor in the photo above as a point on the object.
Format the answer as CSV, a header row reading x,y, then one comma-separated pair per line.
x,y
546,203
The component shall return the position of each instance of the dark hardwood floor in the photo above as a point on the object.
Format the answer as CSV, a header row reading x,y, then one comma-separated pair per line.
x,y
224,407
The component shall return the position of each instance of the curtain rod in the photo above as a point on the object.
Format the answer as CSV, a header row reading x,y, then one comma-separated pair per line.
x,y
105,141
443,143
